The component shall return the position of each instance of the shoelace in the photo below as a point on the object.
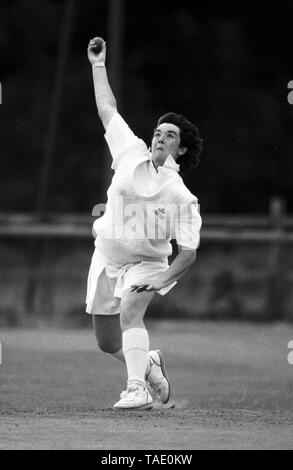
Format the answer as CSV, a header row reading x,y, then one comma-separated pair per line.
x,y
130,389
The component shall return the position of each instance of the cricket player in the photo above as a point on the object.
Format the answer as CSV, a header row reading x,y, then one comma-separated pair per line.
x,y
148,205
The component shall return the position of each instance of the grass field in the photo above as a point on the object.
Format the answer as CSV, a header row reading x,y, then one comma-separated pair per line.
x,y
232,385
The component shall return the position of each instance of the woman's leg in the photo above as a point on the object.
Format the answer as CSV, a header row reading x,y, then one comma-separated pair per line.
x,y
109,336
135,338
106,318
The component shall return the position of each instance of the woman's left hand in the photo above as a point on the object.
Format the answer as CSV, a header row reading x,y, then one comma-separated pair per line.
x,y
149,286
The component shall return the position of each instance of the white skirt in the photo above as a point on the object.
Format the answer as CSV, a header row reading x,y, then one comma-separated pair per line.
x,y
107,281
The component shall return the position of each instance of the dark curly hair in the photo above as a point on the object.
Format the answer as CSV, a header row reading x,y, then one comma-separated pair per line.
x,y
189,137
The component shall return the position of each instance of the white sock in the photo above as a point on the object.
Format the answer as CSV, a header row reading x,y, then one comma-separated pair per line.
x,y
119,355
135,343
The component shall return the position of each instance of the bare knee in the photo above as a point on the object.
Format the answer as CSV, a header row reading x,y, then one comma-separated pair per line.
x,y
131,320
107,346
108,333
133,307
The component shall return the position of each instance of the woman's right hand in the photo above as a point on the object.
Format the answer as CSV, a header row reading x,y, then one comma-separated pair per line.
x,y
97,51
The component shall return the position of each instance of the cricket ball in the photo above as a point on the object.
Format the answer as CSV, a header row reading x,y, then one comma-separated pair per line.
x,y
97,47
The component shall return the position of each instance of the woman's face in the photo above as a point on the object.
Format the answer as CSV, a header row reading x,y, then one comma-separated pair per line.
x,y
166,141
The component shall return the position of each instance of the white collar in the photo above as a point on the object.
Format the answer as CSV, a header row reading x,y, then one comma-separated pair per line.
x,y
170,163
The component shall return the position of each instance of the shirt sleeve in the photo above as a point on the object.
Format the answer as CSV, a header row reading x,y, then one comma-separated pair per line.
x,y
119,137
188,225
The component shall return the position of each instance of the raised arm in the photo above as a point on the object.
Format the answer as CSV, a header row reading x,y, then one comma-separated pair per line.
x,y
106,102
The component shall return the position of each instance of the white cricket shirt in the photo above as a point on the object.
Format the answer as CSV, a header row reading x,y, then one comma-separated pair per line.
x,y
146,208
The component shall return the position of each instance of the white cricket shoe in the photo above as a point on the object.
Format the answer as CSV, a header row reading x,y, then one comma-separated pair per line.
x,y
156,376
135,397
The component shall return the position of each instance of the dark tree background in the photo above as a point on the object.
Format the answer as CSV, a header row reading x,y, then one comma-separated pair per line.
x,y
225,65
